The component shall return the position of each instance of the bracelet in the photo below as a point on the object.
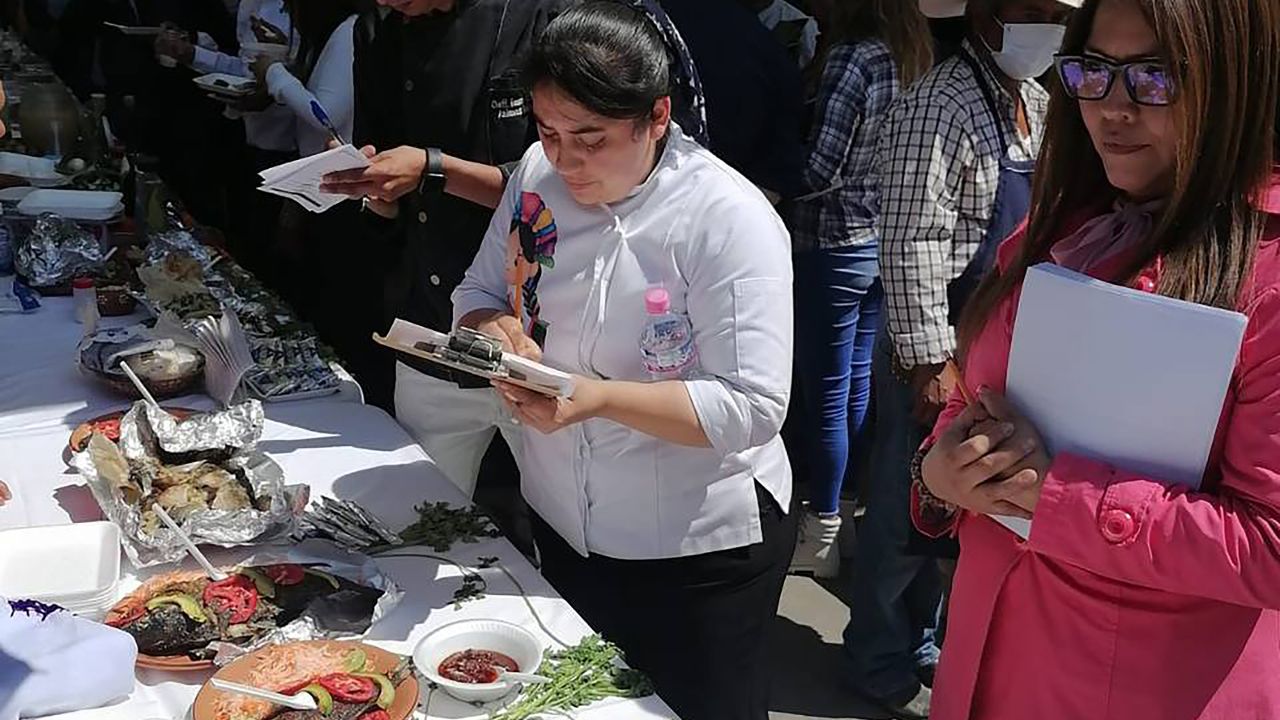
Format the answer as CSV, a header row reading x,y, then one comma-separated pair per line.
x,y
930,504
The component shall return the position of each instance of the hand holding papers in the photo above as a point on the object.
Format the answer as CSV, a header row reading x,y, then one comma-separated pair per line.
x,y
300,180
1124,377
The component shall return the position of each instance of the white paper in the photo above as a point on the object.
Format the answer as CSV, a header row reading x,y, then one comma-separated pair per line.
x,y
300,180
1125,377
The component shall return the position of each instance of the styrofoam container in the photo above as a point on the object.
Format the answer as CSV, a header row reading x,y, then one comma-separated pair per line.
x,y
15,195
40,172
78,563
494,635
74,204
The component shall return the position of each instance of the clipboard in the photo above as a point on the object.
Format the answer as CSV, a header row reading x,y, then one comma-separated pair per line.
x,y
484,361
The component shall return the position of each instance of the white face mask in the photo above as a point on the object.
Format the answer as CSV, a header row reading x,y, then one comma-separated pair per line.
x,y
1028,49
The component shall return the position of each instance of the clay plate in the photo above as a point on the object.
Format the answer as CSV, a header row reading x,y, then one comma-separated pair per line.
x,y
406,692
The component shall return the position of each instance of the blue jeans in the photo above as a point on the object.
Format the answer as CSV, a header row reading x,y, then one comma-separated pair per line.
x,y
838,300
896,597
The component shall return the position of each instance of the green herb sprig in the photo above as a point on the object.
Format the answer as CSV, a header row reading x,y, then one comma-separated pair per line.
x,y
580,675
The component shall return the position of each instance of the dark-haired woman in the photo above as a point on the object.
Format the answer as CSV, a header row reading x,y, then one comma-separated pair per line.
x,y
885,46
661,504
1134,598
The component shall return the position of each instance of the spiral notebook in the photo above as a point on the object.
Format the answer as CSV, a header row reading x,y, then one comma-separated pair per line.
x,y
1129,378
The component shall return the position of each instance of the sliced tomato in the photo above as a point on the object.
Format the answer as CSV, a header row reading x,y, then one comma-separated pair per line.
x,y
123,616
375,714
236,596
285,574
349,688
109,428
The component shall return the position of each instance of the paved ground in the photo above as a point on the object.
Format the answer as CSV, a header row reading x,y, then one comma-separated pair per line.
x,y
806,642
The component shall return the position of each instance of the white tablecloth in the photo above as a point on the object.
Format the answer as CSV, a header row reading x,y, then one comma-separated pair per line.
x,y
338,447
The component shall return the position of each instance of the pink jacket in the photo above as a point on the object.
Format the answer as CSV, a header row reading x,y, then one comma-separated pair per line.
x,y
1133,599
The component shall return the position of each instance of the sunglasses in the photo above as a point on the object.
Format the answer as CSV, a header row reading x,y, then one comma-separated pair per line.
x,y
1091,78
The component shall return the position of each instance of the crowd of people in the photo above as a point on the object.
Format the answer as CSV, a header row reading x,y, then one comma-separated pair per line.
x,y
840,196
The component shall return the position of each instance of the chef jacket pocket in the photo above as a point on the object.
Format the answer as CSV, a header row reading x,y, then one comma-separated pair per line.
x,y
762,330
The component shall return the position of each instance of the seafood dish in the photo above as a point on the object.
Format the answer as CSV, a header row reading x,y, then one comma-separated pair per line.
x,y
181,489
204,469
184,613
349,681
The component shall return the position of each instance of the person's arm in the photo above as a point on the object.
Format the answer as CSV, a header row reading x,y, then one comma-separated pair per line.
x,y
740,304
1223,544
842,106
924,156
332,78
394,173
211,61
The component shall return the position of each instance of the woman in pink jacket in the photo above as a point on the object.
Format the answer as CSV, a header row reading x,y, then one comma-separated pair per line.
x,y
1133,599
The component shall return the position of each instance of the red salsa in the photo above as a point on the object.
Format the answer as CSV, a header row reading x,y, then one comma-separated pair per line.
x,y
476,666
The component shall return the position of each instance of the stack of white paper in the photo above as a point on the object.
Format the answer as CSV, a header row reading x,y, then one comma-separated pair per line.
x,y
300,180
1128,378
227,355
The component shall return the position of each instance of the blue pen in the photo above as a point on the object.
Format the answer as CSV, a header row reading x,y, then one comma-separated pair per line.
x,y
323,117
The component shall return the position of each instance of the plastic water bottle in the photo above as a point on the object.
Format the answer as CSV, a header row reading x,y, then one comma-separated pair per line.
x,y
666,345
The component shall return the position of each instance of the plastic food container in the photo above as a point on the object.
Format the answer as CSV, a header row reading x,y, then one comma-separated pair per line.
x,y
88,205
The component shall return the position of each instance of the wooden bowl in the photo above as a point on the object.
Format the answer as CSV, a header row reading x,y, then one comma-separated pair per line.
x,y
406,692
115,301
159,389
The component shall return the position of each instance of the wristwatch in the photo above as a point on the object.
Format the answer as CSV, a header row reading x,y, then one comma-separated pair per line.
x,y
433,180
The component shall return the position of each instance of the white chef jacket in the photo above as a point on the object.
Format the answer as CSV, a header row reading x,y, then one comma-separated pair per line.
x,y
711,238
331,84
274,128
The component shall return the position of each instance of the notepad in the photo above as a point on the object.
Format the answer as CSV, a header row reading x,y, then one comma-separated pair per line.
x,y
300,180
1125,377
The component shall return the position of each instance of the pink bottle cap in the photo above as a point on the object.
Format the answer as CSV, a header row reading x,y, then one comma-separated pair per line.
x,y
657,301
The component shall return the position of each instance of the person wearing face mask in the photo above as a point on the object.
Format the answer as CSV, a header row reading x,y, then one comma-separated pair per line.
x,y
660,490
1133,598
955,158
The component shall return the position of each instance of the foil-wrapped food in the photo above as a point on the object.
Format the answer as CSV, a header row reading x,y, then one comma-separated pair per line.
x,y
205,471
57,251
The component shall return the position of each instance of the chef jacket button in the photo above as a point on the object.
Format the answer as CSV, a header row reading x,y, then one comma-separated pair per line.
x,y
435,280
1118,526
1146,284
408,86
422,217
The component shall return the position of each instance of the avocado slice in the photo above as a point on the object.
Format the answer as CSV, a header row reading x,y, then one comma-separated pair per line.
x,y
387,691
265,587
355,661
189,605
324,701
324,576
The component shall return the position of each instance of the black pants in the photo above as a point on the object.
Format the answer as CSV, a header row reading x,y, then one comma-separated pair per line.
x,y
697,625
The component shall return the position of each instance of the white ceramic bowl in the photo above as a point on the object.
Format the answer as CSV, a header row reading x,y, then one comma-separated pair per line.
x,y
494,635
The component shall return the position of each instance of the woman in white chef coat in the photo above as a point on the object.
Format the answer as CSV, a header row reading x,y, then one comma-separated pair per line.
x,y
661,506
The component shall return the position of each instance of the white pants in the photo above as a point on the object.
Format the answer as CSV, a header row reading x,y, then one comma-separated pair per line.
x,y
454,426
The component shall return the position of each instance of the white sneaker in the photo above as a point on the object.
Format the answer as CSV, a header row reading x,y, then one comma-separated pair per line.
x,y
817,547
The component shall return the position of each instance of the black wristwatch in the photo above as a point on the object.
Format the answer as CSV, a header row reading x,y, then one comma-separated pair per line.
x,y
433,180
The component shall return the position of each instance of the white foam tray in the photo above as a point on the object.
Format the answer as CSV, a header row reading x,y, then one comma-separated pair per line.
x,y
78,563
73,204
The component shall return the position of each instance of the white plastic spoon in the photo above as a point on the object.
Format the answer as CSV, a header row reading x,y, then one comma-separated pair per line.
x,y
301,701
214,573
505,675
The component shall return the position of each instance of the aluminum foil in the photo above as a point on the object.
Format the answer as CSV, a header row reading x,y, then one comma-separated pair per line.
x,y
225,438
162,245
346,523
355,567
56,251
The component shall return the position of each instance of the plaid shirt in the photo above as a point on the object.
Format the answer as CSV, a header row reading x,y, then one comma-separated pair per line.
x,y
859,85
939,159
